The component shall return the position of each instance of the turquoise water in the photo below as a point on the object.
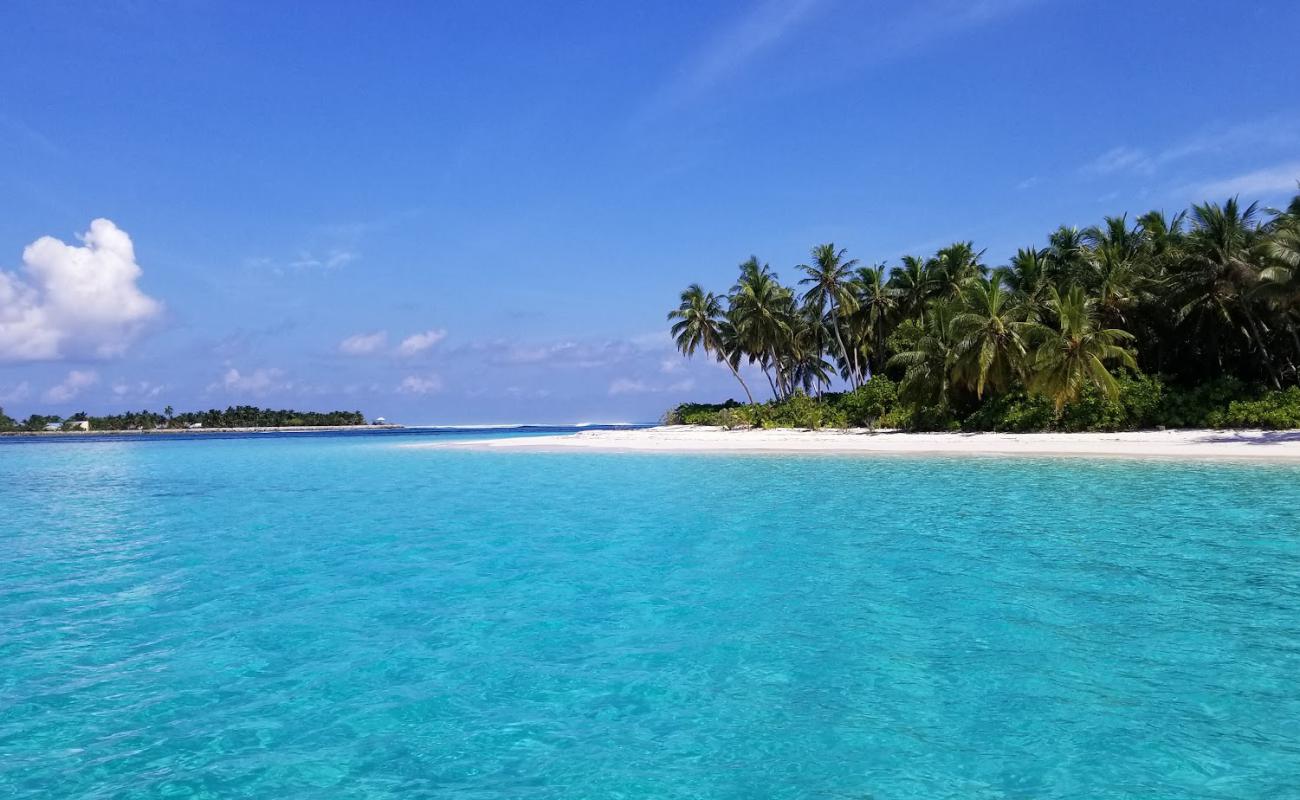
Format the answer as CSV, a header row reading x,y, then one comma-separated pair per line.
x,y
337,617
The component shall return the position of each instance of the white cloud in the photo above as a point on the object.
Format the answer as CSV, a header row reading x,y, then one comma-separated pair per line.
x,y
1120,159
363,344
419,342
17,393
143,390
636,386
417,384
1270,180
71,386
259,381
74,300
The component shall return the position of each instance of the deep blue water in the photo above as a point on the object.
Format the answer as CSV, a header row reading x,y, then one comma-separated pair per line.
x,y
340,617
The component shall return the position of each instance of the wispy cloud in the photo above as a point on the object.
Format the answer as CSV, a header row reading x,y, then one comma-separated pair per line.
x,y
1272,132
1277,179
731,50
637,386
848,40
364,344
420,384
417,343
1120,159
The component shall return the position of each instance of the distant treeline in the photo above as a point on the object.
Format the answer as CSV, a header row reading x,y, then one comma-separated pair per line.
x,y
231,417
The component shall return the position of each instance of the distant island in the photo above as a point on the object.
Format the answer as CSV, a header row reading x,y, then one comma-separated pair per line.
x,y
233,417
1183,321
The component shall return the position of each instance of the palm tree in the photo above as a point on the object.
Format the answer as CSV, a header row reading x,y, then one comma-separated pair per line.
x,y
829,278
1072,352
761,311
992,347
914,285
876,311
699,325
1221,260
1067,256
955,267
1026,277
930,364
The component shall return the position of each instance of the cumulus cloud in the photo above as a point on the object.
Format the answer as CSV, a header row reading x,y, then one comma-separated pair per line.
x,y
419,342
74,300
420,384
71,386
259,381
364,344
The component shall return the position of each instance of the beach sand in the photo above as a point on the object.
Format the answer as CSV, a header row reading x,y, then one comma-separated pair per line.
x,y
1179,444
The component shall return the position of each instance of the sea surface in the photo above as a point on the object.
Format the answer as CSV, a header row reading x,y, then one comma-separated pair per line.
x,y
338,616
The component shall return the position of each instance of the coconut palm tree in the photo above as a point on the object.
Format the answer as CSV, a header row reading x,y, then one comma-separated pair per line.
x,y
762,312
1214,281
992,346
1067,257
1025,276
877,309
931,363
955,267
914,285
1072,352
698,325
828,280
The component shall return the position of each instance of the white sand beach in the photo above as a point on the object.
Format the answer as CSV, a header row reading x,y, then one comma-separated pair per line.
x,y
1179,444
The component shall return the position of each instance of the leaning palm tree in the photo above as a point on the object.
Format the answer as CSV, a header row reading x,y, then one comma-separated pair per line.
x,y
762,311
1072,353
699,321
992,346
828,289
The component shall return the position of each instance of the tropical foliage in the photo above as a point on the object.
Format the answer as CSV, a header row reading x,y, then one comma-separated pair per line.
x,y
1060,336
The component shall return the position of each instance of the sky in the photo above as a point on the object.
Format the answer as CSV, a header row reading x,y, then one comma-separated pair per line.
x,y
481,212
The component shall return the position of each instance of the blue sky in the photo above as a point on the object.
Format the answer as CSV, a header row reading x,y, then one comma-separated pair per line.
x,y
481,212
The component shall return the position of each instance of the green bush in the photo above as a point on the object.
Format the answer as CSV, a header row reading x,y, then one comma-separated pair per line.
x,y
1274,410
1144,401
866,405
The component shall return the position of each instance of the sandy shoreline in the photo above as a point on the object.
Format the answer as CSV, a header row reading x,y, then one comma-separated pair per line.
x,y
1180,444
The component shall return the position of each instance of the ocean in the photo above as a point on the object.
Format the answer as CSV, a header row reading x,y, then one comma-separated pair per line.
x,y
339,616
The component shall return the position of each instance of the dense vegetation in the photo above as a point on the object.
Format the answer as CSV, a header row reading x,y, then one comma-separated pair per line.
x,y
231,417
1184,321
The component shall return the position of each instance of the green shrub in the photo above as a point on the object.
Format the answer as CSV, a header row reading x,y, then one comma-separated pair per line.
x,y
867,404
1273,410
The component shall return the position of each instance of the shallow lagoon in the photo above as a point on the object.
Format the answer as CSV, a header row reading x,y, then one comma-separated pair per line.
x,y
335,616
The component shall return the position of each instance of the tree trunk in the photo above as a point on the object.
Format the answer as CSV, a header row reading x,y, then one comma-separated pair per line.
x,y
852,362
736,373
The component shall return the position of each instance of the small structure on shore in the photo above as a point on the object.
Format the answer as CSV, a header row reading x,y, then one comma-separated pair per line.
x,y
54,426
77,425
194,425
379,421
